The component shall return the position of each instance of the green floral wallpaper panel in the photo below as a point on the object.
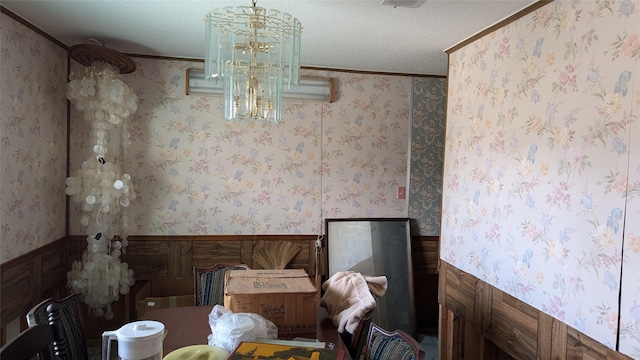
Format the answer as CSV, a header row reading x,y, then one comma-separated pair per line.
x,y
427,149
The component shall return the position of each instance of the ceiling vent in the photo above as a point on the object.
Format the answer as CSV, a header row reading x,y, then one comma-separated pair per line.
x,y
402,3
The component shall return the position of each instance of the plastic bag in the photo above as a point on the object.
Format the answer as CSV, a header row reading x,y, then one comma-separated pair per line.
x,y
228,329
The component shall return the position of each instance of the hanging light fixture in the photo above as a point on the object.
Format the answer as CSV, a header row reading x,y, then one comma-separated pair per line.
x,y
255,52
101,186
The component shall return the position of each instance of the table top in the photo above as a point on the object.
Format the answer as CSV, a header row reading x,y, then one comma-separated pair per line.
x,y
189,325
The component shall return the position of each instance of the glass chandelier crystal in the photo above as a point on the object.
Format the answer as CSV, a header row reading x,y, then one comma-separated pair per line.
x,y
101,186
255,52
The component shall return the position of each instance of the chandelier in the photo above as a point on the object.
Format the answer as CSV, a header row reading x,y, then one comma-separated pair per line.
x,y
255,52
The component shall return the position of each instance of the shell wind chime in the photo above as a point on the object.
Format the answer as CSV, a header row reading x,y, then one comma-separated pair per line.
x,y
101,186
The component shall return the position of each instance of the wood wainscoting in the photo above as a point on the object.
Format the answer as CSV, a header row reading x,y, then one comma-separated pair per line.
x,y
424,257
174,256
479,321
28,279
41,273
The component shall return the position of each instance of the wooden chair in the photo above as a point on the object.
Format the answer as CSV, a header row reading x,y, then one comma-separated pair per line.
x,y
391,345
72,325
355,342
208,283
43,340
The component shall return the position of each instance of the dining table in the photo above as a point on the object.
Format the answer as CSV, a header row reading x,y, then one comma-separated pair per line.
x,y
189,325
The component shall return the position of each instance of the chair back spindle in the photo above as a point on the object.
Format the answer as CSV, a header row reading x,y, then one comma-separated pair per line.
x,y
46,341
71,323
59,344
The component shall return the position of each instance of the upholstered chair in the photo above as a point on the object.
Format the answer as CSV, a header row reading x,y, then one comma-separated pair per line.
x,y
391,345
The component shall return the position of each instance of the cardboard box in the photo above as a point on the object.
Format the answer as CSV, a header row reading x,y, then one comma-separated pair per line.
x,y
285,297
163,293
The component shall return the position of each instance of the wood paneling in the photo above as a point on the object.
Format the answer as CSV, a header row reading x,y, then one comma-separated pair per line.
x,y
148,258
519,341
479,321
53,271
175,256
552,337
580,346
459,293
304,259
246,251
16,281
472,339
30,278
424,258
209,253
445,333
186,258
426,303
36,276
425,254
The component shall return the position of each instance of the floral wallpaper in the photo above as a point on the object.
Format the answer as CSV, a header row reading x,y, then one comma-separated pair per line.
x,y
34,133
427,152
630,299
542,165
197,174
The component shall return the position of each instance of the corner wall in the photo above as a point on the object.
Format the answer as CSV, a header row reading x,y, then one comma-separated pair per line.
x,y
541,167
33,157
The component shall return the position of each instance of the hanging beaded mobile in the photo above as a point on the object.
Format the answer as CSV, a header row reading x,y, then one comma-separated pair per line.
x,y
101,186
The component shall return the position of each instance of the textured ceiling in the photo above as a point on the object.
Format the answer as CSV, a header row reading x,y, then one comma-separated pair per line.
x,y
348,34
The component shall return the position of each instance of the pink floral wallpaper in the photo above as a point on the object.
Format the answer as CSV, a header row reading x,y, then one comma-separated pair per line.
x,y
630,299
542,165
33,129
197,174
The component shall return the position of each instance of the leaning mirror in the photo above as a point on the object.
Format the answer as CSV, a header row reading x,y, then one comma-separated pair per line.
x,y
377,246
